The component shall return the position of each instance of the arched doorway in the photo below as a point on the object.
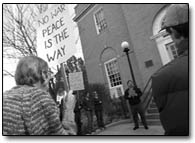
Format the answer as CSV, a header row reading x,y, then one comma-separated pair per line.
x,y
165,44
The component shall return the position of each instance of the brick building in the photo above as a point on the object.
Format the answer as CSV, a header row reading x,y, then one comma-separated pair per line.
x,y
102,29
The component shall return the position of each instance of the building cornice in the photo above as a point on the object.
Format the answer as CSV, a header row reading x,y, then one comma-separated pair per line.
x,y
83,12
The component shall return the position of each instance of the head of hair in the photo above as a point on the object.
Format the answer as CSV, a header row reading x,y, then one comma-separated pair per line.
x,y
29,70
129,81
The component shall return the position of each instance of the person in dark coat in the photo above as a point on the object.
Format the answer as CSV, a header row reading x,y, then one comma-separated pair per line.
x,y
77,111
98,110
170,84
133,94
87,106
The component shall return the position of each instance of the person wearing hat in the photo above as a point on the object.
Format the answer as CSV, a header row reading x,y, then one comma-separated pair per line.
x,y
170,84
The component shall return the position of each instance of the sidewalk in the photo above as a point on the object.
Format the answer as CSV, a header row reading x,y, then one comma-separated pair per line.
x,y
124,127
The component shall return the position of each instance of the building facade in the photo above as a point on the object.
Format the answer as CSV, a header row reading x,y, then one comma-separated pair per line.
x,y
102,29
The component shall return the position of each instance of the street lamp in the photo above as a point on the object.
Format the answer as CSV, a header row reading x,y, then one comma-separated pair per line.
x,y
125,46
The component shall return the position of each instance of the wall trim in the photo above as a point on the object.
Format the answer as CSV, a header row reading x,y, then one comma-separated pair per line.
x,y
83,12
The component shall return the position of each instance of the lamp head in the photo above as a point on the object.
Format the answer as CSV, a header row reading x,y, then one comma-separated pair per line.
x,y
125,44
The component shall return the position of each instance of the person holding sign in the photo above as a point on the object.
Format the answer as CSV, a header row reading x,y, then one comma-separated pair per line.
x,y
28,109
133,94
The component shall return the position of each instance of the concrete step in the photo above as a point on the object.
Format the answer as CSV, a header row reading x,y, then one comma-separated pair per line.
x,y
152,105
152,110
151,122
153,116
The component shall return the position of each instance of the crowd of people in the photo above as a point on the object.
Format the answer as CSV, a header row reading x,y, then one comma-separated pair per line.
x,y
32,107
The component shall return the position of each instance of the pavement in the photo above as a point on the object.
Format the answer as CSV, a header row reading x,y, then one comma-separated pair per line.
x,y
125,127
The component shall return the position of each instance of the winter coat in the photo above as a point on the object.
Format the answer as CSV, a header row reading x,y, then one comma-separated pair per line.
x,y
97,104
170,87
31,111
87,104
133,96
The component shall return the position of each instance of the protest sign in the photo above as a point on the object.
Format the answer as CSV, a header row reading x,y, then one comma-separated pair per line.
x,y
76,81
55,36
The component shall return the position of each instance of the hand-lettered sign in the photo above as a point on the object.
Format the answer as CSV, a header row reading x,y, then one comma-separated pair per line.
x,y
76,81
55,36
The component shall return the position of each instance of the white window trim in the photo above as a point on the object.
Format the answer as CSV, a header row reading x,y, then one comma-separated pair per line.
x,y
107,73
95,22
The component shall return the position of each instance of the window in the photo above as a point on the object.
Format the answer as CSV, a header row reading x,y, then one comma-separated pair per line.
x,y
100,21
148,63
172,50
113,74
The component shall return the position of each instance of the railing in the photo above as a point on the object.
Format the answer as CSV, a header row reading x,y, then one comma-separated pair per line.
x,y
147,94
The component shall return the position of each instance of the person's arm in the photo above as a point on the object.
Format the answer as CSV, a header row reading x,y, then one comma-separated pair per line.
x,y
68,113
51,113
138,91
126,94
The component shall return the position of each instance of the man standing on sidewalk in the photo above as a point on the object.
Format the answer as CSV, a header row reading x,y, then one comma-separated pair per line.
x,y
88,107
98,110
170,84
77,111
133,94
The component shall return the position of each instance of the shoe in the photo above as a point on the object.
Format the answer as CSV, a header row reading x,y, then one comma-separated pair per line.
x,y
146,127
103,128
135,128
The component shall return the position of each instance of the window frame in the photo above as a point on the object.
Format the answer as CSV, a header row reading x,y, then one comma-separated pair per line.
x,y
95,21
108,76
170,50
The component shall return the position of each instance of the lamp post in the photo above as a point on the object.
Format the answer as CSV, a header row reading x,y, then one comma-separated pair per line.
x,y
125,46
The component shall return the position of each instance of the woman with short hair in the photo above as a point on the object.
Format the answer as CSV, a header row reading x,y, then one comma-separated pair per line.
x,y
28,109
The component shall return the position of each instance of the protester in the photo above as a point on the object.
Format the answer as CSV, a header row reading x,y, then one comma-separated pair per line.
x,y
133,94
98,110
170,84
87,106
77,111
28,109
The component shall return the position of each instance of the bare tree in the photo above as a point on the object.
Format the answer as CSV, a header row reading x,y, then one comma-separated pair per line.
x,y
6,73
19,29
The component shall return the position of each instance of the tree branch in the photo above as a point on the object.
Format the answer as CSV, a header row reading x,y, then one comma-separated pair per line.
x,y
6,73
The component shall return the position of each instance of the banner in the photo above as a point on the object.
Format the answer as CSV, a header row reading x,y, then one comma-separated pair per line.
x,y
55,35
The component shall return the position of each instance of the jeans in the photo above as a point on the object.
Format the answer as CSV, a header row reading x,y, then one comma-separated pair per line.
x,y
138,109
